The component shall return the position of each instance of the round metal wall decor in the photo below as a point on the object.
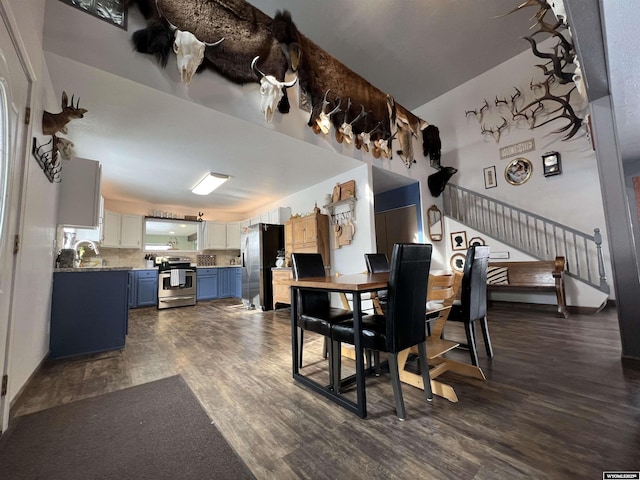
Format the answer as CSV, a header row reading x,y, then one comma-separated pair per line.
x,y
518,171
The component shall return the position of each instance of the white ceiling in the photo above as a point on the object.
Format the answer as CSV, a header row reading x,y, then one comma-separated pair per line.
x,y
156,138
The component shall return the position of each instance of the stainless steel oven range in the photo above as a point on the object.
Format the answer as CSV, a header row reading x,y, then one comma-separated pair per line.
x,y
176,283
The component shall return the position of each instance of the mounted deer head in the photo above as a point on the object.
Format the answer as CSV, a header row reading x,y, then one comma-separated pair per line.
x,y
57,122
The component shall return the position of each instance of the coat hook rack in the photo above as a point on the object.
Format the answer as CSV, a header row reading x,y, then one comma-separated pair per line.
x,y
48,160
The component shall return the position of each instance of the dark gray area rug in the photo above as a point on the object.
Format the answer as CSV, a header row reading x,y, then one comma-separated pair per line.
x,y
153,431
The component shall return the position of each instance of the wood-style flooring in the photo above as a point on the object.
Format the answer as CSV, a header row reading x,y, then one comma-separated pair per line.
x,y
557,402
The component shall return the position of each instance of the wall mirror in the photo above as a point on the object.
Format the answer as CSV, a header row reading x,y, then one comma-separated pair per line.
x,y
434,221
170,235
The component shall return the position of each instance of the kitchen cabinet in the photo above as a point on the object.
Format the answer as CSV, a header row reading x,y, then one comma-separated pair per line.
x,y
222,236
89,312
79,196
146,286
226,282
238,285
121,231
233,235
216,236
308,234
280,279
280,215
133,298
207,283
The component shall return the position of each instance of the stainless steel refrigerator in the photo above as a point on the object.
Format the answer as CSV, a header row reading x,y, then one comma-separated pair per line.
x,y
260,244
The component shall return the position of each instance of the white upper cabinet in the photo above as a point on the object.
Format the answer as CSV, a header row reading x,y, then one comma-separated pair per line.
x,y
79,199
233,235
215,236
121,231
280,215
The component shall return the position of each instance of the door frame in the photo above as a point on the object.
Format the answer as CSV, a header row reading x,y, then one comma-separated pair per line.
x,y
16,192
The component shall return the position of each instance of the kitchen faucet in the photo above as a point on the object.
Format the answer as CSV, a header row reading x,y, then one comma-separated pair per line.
x,y
92,245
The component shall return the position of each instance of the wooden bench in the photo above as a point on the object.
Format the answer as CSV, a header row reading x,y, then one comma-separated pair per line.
x,y
535,276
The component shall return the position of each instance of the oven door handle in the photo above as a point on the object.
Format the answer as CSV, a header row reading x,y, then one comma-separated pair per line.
x,y
176,299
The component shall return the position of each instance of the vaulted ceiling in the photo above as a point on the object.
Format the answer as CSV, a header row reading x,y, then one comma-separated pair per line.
x,y
156,137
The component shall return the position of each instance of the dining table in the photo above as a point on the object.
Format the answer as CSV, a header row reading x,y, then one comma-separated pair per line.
x,y
354,284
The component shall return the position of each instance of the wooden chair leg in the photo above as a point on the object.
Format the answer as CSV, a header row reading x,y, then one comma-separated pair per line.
x,y
395,384
487,339
424,370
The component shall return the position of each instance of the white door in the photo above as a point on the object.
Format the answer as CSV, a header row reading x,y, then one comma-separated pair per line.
x,y
14,88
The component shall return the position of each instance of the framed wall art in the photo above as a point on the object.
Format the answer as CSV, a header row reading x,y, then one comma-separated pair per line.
x,y
490,177
456,262
476,241
518,171
551,164
459,241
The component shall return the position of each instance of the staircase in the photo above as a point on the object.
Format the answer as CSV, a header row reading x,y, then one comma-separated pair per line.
x,y
530,233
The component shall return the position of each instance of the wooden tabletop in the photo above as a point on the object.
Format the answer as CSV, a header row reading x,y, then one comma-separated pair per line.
x,y
357,282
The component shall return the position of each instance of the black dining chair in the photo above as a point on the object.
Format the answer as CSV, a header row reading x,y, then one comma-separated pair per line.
x,y
315,312
377,263
403,325
472,306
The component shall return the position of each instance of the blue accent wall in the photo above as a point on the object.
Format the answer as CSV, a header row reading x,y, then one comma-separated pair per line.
x,y
398,198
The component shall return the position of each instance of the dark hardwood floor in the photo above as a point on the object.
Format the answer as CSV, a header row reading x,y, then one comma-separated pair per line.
x,y
557,403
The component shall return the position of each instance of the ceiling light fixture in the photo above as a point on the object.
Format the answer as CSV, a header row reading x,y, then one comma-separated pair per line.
x,y
209,183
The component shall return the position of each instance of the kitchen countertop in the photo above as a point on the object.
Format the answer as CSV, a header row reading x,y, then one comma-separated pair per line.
x,y
91,269
218,266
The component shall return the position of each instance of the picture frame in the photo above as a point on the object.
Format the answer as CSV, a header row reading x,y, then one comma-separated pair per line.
x,y
518,171
459,240
551,164
456,262
479,241
490,180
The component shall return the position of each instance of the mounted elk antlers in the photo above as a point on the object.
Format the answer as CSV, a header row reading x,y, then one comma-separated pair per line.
x,y
57,122
479,113
496,131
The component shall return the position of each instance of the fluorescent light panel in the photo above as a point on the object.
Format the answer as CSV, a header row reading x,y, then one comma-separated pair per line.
x,y
209,183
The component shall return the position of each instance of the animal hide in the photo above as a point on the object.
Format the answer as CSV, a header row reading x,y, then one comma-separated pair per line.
x,y
245,30
431,143
437,181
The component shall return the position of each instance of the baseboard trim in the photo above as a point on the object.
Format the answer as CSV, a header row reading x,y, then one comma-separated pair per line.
x,y
547,307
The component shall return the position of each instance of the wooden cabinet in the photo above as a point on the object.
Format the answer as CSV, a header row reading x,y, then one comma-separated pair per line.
x,y
79,197
308,234
121,231
280,278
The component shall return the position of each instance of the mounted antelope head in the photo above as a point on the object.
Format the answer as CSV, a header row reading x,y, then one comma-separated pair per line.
x,y
496,131
346,129
271,90
57,122
324,120
364,138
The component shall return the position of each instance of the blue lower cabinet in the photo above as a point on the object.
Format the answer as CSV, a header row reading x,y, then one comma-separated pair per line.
x,y
133,296
238,284
226,282
207,284
89,312
144,289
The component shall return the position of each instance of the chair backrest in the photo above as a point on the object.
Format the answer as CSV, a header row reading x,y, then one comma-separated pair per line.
x,y
309,265
406,308
376,262
441,292
473,292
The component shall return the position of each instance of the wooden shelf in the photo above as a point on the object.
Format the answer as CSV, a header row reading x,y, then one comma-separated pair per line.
x,y
350,202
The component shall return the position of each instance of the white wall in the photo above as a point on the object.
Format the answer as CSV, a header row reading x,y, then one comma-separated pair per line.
x,y
572,198
29,337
